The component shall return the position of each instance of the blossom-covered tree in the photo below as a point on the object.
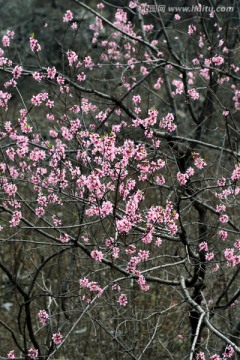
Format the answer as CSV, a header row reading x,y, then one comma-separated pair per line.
x,y
120,187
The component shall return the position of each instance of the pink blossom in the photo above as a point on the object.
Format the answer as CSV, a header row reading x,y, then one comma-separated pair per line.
x,y
6,41
200,356
97,255
37,155
134,261
39,98
143,255
13,172
223,234
207,62
72,57
220,208
209,256
131,249
211,14
84,282
160,180
177,17
16,218
193,94
53,133
93,286
190,171
109,243
106,208
223,218
221,42
201,41
124,225
236,173
144,70
34,45
142,283
57,222
11,82
74,25
116,287
66,133
51,72
221,182
172,228
32,353
40,211
101,116
136,99
11,355
10,189
100,6
122,300
191,29
88,63
147,238
167,122
50,103
229,352
115,252
57,338
198,161
179,85
237,244
43,317
229,254
10,33
132,4
195,61
68,16
81,77
225,113
158,84
218,60
203,246
60,80
4,98
64,238
215,268
17,71
158,242
37,76
182,178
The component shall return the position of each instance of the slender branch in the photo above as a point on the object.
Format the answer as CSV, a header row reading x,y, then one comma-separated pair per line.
x,y
211,327
13,335
196,336
170,137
